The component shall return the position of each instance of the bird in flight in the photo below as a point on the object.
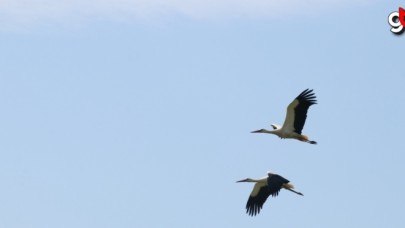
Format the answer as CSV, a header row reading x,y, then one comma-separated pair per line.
x,y
264,187
295,118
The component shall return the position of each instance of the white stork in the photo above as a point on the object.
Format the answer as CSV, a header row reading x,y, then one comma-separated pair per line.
x,y
264,187
295,118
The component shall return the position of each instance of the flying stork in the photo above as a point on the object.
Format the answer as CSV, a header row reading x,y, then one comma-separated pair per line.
x,y
264,187
295,118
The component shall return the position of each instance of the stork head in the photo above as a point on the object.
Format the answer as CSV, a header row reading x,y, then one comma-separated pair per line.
x,y
259,131
265,131
245,180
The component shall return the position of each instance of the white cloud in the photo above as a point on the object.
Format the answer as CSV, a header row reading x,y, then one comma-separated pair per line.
x,y
26,12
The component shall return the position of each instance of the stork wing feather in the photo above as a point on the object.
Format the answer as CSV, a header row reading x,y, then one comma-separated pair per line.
x,y
275,183
297,111
257,198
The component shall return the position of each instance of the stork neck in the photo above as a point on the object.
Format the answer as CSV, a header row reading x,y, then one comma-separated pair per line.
x,y
264,179
274,132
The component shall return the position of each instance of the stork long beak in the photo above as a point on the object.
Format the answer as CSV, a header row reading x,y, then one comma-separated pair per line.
x,y
244,180
257,131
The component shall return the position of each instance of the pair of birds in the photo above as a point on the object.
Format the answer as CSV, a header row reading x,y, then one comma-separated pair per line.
x,y
292,128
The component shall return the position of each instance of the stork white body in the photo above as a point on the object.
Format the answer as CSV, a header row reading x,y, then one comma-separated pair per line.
x,y
295,118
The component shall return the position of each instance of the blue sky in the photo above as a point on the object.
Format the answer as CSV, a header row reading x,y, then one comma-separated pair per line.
x,y
137,114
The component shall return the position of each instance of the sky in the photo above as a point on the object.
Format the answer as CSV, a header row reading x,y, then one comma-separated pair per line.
x,y
139,113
